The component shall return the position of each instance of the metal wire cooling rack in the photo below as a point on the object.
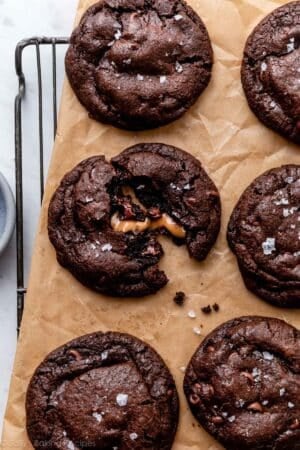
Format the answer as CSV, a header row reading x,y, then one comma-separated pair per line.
x,y
35,44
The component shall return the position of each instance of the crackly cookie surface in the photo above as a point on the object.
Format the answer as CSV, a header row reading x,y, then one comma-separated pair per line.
x,y
243,384
104,217
271,71
107,391
264,234
139,64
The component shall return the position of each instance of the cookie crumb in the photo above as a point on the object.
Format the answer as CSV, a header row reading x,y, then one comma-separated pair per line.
x,y
206,309
180,298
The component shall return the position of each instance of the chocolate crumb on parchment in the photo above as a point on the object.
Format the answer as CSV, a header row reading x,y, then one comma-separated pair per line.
x,y
206,309
180,298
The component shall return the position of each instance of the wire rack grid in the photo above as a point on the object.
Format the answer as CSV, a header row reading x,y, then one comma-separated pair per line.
x,y
35,43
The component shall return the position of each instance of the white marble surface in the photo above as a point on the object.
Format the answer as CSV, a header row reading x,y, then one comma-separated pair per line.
x,y
18,20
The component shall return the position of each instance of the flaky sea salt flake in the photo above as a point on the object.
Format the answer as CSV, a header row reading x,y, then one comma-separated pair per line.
x,y
289,211
71,446
118,34
178,67
106,248
122,399
97,416
282,201
104,355
197,331
289,180
192,314
263,66
133,436
269,246
291,45
268,356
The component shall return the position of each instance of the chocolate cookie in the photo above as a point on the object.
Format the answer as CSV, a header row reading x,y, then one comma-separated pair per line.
x,y
105,217
139,64
103,391
243,384
264,234
270,71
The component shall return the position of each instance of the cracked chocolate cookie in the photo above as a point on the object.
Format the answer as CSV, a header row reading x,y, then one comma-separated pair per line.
x,y
264,234
107,391
105,217
243,384
139,64
271,71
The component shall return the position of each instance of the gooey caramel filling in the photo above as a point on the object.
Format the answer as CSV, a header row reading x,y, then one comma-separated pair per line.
x,y
125,226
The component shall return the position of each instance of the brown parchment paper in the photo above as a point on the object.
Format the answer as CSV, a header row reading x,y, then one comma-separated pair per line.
x,y
234,148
